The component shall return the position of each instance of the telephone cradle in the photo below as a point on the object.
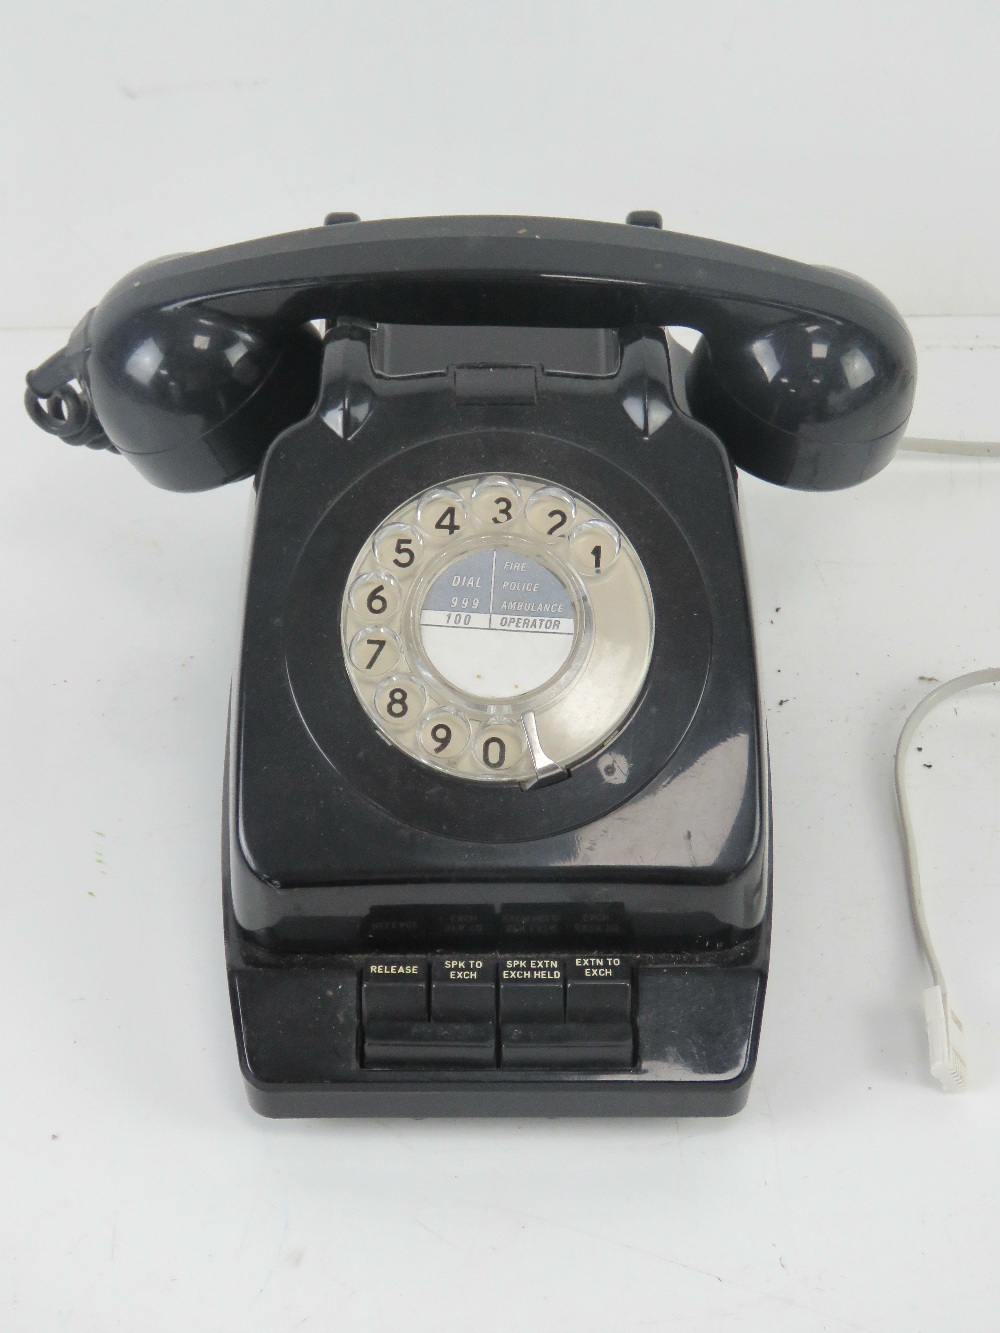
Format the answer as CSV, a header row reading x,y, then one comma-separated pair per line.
x,y
496,837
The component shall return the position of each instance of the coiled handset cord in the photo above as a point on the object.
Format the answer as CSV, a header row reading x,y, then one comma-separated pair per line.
x,y
57,398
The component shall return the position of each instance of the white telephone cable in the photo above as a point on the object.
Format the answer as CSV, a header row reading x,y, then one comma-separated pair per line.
x,y
966,448
944,1028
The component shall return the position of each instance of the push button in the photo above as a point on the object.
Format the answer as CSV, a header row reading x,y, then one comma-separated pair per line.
x,y
394,988
531,990
463,989
430,1045
567,1046
598,989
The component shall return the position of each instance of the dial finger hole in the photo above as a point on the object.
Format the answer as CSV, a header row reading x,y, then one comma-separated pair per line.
x,y
375,596
375,650
397,549
442,515
550,512
499,745
496,501
445,734
594,546
400,700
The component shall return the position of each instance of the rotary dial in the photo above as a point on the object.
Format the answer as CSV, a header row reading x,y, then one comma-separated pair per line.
x,y
498,628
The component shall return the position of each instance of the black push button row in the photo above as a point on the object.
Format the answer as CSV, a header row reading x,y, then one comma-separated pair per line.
x,y
522,1046
464,989
553,1014
566,1046
430,1045
394,989
532,990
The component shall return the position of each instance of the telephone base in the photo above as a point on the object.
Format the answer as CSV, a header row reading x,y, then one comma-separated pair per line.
x,y
681,1040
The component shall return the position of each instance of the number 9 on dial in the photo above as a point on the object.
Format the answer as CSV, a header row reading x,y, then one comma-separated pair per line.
x,y
444,734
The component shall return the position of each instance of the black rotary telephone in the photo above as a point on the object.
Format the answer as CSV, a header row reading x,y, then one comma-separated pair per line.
x,y
497,837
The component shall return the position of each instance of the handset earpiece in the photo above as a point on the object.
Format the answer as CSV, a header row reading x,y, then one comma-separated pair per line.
x,y
194,398
805,401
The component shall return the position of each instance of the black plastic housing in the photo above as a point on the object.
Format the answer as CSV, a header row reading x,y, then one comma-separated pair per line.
x,y
696,1023
400,941
340,840
341,850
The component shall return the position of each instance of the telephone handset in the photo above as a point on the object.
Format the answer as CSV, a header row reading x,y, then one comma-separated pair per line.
x,y
497,832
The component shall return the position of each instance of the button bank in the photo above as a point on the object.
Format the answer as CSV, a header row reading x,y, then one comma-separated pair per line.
x,y
527,1011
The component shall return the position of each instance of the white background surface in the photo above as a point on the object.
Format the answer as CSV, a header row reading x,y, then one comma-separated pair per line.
x,y
138,1189
857,134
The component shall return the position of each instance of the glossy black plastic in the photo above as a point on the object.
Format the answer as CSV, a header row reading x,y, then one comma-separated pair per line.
x,y
342,854
788,411
801,403
300,1037
193,399
341,842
